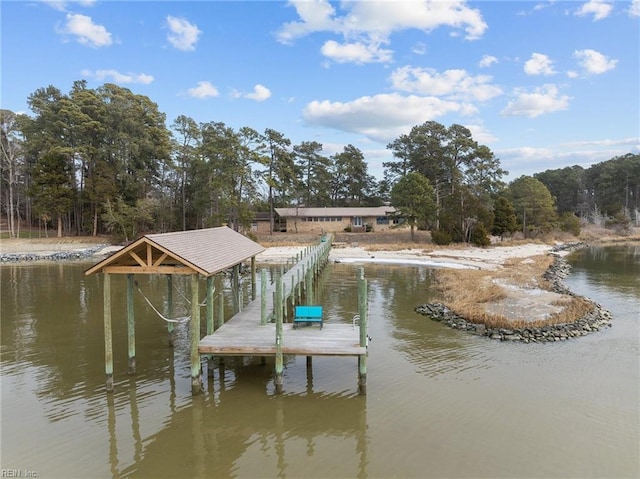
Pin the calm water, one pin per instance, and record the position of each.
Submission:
(440, 403)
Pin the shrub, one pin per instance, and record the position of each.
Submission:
(440, 237)
(620, 223)
(480, 235)
(570, 223)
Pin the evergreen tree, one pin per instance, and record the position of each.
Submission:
(413, 197)
(505, 221)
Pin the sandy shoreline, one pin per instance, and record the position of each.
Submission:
(518, 303)
(468, 257)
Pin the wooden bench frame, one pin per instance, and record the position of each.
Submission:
(307, 315)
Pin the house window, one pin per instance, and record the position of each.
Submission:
(357, 221)
(382, 220)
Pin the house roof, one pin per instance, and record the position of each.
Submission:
(352, 211)
(205, 252)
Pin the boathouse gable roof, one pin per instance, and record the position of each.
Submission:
(206, 252)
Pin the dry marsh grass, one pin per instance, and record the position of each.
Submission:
(469, 294)
(526, 273)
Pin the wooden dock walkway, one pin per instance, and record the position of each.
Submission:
(245, 335)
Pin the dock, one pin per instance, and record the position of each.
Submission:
(259, 329)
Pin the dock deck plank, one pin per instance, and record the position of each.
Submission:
(243, 335)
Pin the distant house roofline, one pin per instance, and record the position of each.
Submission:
(304, 212)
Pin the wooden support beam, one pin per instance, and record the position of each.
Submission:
(149, 270)
(137, 258)
(196, 381)
(159, 261)
(108, 338)
(131, 327)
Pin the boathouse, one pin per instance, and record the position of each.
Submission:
(255, 329)
(198, 253)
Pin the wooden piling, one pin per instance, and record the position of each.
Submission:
(196, 382)
(278, 313)
(108, 338)
(235, 288)
(170, 309)
(253, 278)
(309, 285)
(362, 311)
(219, 288)
(210, 324)
(131, 326)
(263, 297)
(282, 291)
(210, 291)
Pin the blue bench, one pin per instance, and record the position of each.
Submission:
(307, 315)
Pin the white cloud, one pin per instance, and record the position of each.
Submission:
(260, 93)
(598, 8)
(204, 90)
(487, 61)
(85, 31)
(634, 8)
(634, 142)
(315, 17)
(452, 84)
(365, 26)
(481, 135)
(539, 64)
(594, 62)
(117, 77)
(542, 100)
(358, 52)
(62, 5)
(381, 117)
(184, 35)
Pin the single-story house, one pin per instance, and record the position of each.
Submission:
(319, 220)
(261, 222)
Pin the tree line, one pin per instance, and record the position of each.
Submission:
(96, 161)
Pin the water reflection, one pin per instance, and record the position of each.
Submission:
(440, 403)
(221, 434)
(616, 267)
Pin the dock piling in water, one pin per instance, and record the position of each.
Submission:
(278, 313)
(196, 382)
(131, 326)
(362, 310)
(108, 338)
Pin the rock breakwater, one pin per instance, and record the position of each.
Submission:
(595, 320)
(57, 256)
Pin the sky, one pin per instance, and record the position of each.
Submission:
(544, 84)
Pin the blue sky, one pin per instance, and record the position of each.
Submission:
(544, 84)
